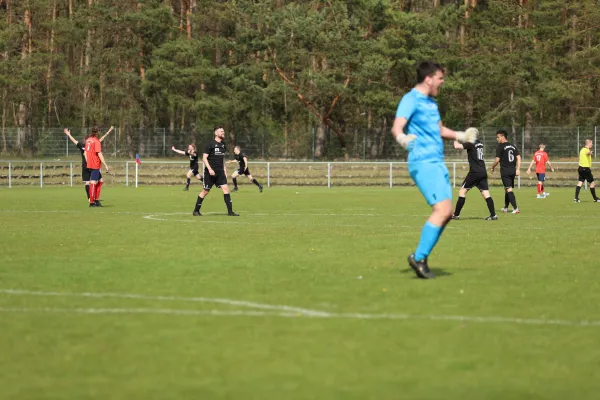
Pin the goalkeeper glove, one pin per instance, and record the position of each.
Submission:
(468, 136)
(406, 141)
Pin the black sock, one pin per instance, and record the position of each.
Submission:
(506, 200)
(187, 184)
(235, 182)
(255, 182)
(490, 204)
(577, 189)
(593, 192)
(513, 199)
(228, 203)
(459, 205)
(198, 204)
(87, 191)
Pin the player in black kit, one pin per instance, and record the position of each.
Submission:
(194, 167)
(215, 172)
(477, 176)
(85, 172)
(242, 160)
(510, 163)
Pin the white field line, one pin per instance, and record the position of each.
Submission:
(272, 310)
(230, 302)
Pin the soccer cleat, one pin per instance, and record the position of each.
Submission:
(597, 201)
(541, 196)
(196, 214)
(93, 205)
(546, 194)
(515, 211)
(457, 217)
(234, 189)
(232, 214)
(576, 201)
(504, 210)
(260, 188)
(185, 189)
(492, 218)
(98, 204)
(420, 267)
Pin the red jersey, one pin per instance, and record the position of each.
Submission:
(541, 158)
(92, 148)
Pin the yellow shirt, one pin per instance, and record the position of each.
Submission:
(585, 159)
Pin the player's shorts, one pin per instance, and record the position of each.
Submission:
(432, 179)
(508, 181)
(95, 175)
(585, 174)
(541, 176)
(474, 179)
(195, 171)
(85, 174)
(218, 180)
(242, 172)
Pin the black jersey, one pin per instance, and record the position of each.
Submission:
(507, 153)
(193, 160)
(240, 159)
(475, 156)
(81, 147)
(216, 154)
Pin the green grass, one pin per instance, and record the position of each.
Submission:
(341, 251)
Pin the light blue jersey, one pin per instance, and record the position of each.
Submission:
(423, 121)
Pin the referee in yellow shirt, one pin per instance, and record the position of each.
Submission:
(585, 171)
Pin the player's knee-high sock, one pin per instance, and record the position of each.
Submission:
(539, 188)
(577, 189)
(198, 203)
(255, 182)
(429, 237)
(227, 198)
(513, 199)
(459, 205)
(543, 189)
(593, 192)
(98, 188)
(92, 193)
(187, 183)
(87, 190)
(235, 183)
(506, 200)
(490, 203)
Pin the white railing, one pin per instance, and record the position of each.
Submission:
(315, 172)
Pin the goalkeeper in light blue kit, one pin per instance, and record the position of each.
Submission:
(418, 128)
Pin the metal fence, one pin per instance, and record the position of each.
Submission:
(361, 144)
(330, 174)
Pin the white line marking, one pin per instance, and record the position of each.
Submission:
(272, 310)
(167, 298)
(247, 313)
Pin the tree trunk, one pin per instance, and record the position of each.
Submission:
(49, 71)
(320, 139)
(141, 49)
(86, 68)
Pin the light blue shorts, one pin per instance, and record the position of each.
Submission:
(433, 180)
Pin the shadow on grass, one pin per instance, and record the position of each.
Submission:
(439, 273)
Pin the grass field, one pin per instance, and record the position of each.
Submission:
(306, 295)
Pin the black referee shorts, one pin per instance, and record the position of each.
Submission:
(585, 174)
(476, 180)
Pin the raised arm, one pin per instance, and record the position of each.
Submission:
(106, 134)
(68, 133)
(468, 136)
(177, 151)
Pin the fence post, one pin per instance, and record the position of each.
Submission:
(519, 182)
(71, 172)
(126, 173)
(268, 174)
(136, 175)
(328, 175)
(391, 181)
(9, 175)
(41, 174)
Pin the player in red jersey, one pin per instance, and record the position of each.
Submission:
(95, 159)
(540, 159)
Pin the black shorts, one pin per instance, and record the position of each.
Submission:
(218, 180)
(242, 172)
(85, 174)
(476, 179)
(508, 181)
(195, 171)
(585, 174)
